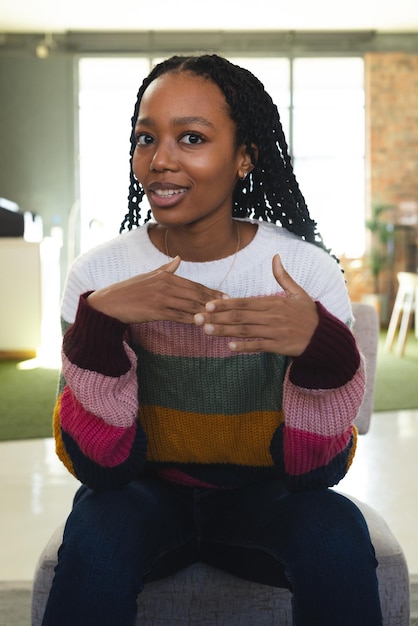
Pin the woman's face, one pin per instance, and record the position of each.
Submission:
(186, 158)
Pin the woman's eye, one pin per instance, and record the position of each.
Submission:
(142, 139)
(192, 138)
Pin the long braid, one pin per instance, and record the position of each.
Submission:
(271, 191)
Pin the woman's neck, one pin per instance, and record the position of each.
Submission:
(202, 245)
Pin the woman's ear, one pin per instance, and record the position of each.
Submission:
(247, 164)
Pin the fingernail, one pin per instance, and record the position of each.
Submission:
(210, 306)
(199, 319)
(209, 328)
(232, 345)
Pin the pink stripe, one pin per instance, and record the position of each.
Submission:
(304, 452)
(323, 412)
(171, 339)
(106, 445)
(114, 399)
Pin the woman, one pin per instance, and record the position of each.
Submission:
(210, 380)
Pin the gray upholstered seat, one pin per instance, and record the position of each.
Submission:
(203, 596)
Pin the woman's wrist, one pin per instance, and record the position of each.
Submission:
(331, 358)
(95, 341)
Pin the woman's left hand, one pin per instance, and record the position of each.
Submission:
(279, 324)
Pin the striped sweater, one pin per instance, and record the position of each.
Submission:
(166, 398)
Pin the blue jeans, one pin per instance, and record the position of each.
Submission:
(315, 543)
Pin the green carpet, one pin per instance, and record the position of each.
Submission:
(397, 378)
(27, 396)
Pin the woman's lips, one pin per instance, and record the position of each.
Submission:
(165, 195)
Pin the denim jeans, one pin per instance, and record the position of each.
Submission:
(315, 543)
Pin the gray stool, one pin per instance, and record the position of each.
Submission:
(204, 596)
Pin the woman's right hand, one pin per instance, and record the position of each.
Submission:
(159, 295)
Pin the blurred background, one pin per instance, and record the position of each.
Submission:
(345, 79)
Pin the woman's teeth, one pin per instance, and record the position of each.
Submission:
(166, 193)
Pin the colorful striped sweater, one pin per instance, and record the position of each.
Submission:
(166, 398)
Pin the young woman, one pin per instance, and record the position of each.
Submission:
(209, 379)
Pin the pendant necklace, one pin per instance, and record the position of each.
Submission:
(233, 259)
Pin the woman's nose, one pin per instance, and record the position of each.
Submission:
(163, 158)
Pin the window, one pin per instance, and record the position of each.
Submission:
(328, 147)
(107, 96)
(321, 105)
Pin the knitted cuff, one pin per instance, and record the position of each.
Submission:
(95, 341)
(331, 358)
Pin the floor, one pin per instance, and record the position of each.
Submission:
(37, 490)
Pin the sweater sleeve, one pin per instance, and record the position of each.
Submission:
(98, 435)
(323, 391)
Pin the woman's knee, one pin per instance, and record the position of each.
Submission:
(94, 536)
(328, 523)
(129, 527)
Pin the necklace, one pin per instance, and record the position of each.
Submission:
(233, 259)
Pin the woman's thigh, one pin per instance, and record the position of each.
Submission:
(283, 532)
(137, 524)
(112, 541)
(315, 543)
(117, 537)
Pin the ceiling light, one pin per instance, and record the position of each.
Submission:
(45, 47)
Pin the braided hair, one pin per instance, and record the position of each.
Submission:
(271, 191)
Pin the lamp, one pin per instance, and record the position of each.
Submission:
(45, 46)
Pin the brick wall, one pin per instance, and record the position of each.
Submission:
(391, 87)
(392, 127)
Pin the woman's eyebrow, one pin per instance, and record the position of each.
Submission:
(193, 119)
(177, 121)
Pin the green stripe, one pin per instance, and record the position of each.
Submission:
(239, 384)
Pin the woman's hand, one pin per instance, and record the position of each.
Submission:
(157, 295)
(282, 325)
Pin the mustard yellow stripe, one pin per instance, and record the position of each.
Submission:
(183, 437)
(353, 448)
(59, 444)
